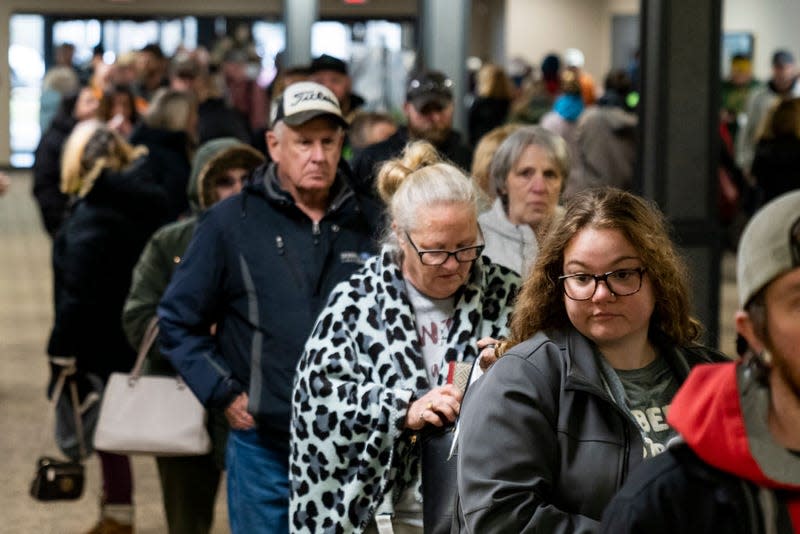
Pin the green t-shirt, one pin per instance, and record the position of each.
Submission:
(648, 393)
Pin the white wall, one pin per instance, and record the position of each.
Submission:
(535, 28)
(774, 23)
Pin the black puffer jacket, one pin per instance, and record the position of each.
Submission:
(543, 447)
(93, 258)
(47, 168)
(699, 498)
(170, 160)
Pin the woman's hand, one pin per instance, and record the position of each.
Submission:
(436, 407)
(488, 354)
(237, 415)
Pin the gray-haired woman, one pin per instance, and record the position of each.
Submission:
(528, 173)
(376, 367)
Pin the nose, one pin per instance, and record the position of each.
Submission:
(317, 151)
(451, 264)
(436, 117)
(538, 183)
(602, 292)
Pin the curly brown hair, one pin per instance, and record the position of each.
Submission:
(540, 304)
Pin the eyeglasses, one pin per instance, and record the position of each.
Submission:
(226, 181)
(794, 242)
(439, 257)
(620, 283)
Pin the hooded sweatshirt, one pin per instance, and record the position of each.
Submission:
(721, 413)
(165, 249)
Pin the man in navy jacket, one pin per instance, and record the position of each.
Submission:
(260, 267)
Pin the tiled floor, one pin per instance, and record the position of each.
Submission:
(25, 420)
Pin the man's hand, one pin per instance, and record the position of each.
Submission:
(238, 416)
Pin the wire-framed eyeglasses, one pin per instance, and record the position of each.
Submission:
(439, 257)
(621, 283)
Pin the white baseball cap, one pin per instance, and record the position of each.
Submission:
(303, 101)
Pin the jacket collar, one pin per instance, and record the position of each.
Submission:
(392, 297)
(267, 185)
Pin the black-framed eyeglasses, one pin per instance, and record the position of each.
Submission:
(794, 242)
(621, 283)
(439, 257)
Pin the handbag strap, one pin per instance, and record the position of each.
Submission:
(69, 368)
(150, 335)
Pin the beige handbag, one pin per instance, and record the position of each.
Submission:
(157, 415)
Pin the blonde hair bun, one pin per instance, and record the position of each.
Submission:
(393, 173)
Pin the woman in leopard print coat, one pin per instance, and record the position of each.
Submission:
(369, 378)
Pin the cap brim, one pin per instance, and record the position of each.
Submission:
(298, 119)
(422, 101)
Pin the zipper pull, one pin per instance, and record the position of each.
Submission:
(315, 228)
(280, 245)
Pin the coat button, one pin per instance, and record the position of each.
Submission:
(176, 259)
(335, 228)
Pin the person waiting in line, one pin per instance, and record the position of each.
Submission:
(261, 265)
(169, 131)
(376, 364)
(735, 92)
(735, 468)
(119, 206)
(776, 165)
(605, 139)
(118, 109)
(574, 62)
(368, 128)
(429, 117)
(52, 202)
(567, 109)
(538, 95)
(332, 73)
(189, 484)
(784, 83)
(151, 67)
(484, 153)
(492, 102)
(601, 339)
(528, 174)
(57, 83)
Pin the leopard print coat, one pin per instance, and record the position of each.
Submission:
(350, 454)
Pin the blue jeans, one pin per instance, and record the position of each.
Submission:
(258, 484)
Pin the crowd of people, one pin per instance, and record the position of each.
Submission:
(341, 290)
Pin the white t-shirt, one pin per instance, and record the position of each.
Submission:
(434, 318)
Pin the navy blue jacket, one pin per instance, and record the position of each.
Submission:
(261, 270)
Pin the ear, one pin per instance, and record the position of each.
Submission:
(273, 146)
(744, 326)
(407, 108)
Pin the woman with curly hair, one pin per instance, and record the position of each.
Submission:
(601, 339)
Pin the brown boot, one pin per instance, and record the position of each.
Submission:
(106, 525)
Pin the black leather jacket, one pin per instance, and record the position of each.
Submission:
(543, 447)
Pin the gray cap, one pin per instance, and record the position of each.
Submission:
(769, 246)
